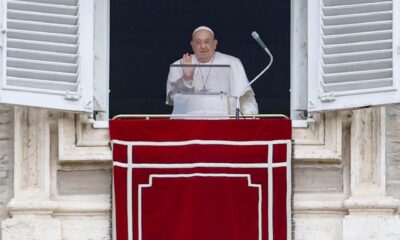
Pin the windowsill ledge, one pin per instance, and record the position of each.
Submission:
(100, 124)
(295, 124)
(300, 123)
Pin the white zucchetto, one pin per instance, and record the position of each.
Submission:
(203, 28)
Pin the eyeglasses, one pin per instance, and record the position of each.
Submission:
(198, 42)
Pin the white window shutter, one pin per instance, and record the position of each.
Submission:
(47, 54)
(352, 54)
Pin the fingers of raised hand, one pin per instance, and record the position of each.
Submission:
(186, 58)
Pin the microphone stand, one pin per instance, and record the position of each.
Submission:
(256, 37)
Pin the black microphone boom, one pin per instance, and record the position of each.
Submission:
(262, 44)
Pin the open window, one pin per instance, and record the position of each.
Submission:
(148, 36)
(352, 54)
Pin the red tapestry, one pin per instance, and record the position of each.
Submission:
(202, 179)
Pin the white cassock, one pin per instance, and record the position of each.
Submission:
(204, 78)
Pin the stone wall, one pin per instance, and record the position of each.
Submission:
(393, 150)
(61, 181)
(6, 158)
(62, 190)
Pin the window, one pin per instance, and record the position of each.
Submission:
(353, 54)
(47, 54)
(147, 36)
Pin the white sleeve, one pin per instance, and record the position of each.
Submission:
(248, 103)
(173, 78)
(175, 83)
(239, 78)
(188, 83)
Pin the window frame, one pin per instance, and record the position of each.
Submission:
(298, 76)
(101, 83)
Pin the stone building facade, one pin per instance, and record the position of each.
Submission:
(6, 158)
(56, 169)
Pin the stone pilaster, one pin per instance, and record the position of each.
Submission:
(31, 208)
(371, 211)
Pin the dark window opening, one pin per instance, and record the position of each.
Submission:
(147, 36)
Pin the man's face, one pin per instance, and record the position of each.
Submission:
(203, 45)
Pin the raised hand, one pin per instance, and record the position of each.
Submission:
(187, 71)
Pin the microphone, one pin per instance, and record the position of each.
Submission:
(255, 35)
(262, 44)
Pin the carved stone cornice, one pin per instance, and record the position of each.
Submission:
(79, 142)
(318, 204)
(321, 141)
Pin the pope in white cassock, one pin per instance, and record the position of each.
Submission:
(204, 44)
